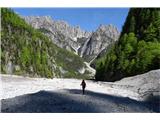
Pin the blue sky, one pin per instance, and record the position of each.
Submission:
(87, 18)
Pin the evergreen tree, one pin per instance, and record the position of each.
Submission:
(32, 51)
(138, 48)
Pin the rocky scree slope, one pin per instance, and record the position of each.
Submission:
(133, 94)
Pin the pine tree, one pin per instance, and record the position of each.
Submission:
(138, 48)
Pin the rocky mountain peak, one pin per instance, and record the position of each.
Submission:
(38, 21)
(56, 25)
(104, 36)
(103, 27)
(109, 30)
(59, 31)
(73, 38)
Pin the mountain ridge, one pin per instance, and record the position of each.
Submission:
(27, 51)
(72, 38)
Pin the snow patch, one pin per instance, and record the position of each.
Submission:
(74, 39)
(84, 47)
(82, 70)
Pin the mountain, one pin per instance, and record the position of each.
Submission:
(86, 44)
(104, 36)
(60, 32)
(27, 51)
(138, 48)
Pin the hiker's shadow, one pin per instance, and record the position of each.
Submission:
(75, 91)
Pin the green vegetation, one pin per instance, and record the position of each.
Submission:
(31, 52)
(138, 49)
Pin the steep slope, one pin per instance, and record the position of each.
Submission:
(27, 51)
(60, 32)
(104, 36)
(85, 44)
(138, 49)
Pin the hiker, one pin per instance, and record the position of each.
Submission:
(83, 84)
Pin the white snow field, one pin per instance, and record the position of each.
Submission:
(24, 94)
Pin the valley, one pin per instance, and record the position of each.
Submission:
(44, 60)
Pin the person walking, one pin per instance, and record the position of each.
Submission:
(83, 84)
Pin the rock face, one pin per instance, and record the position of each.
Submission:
(27, 51)
(104, 36)
(86, 44)
(60, 32)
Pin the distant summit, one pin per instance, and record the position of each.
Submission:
(86, 44)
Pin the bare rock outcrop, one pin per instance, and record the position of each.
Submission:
(86, 44)
(103, 37)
